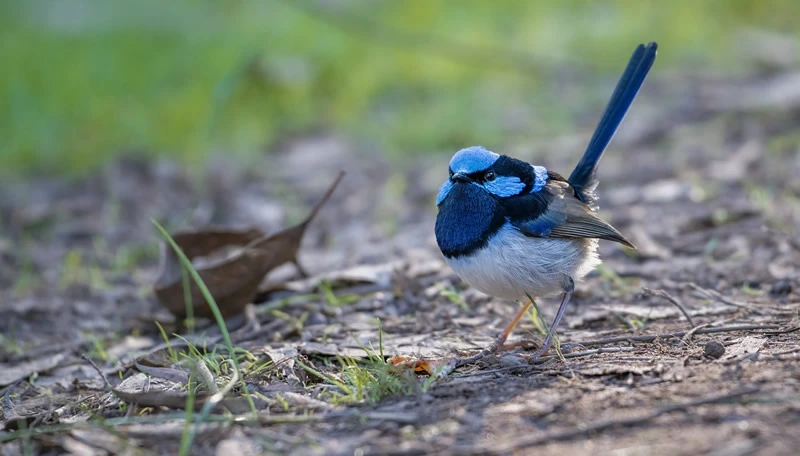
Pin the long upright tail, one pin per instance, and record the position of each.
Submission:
(583, 178)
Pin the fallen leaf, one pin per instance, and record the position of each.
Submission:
(153, 392)
(745, 346)
(232, 280)
(11, 373)
(167, 373)
(32, 408)
(432, 366)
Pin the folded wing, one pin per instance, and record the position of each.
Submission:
(566, 217)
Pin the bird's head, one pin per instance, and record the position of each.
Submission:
(499, 175)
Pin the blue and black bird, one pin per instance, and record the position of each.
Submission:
(518, 231)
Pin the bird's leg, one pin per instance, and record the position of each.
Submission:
(547, 340)
(501, 339)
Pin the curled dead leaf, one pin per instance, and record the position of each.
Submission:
(232, 280)
(440, 367)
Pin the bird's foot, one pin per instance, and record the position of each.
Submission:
(497, 346)
(538, 356)
(490, 350)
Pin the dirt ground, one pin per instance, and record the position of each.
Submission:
(701, 179)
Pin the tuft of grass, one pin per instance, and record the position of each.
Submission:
(369, 380)
(173, 355)
(364, 380)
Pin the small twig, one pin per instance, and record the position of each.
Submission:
(615, 340)
(663, 294)
(624, 422)
(692, 332)
(99, 372)
(323, 200)
(717, 296)
(783, 331)
(582, 353)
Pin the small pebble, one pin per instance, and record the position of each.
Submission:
(714, 349)
(781, 288)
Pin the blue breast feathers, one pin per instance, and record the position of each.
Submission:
(444, 190)
(467, 217)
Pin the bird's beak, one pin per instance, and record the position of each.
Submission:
(461, 177)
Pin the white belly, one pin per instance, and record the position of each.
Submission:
(513, 264)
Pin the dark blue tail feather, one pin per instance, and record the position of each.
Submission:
(583, 178)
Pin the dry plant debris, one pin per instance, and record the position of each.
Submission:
(234, 280)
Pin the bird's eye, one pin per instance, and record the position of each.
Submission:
(489, 176)
(451, 172)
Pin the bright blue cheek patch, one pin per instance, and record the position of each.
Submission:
(505, 186)
(443, 191)
(472, 159)
(539, 178)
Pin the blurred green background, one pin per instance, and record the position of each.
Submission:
(84, 80)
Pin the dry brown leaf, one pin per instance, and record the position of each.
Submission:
(11, 373)
(233, 281)
(431, 366)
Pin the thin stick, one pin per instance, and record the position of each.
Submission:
(717, 296)
(324, 199)
(692, 332)
(783, 331)
(582, 353)
(105, 380)
(663, 294)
